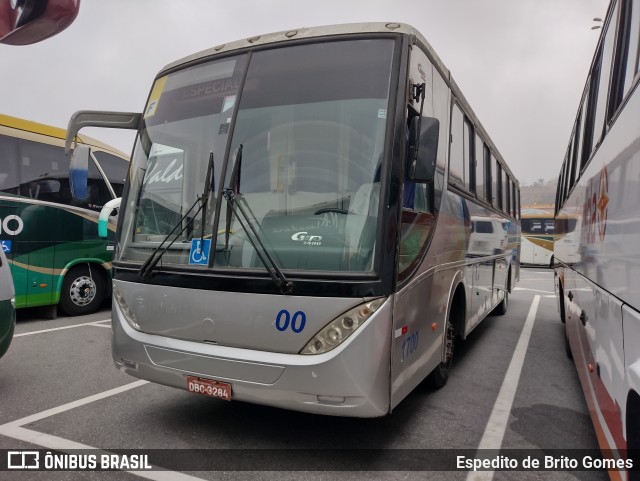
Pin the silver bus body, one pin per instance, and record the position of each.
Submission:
(366, 291)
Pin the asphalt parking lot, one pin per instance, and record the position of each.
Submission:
(512, 387)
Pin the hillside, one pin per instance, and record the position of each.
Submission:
(542, 192)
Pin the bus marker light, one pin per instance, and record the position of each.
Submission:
(401, 332)
(434, 326)
(43, 285)
(590, 366)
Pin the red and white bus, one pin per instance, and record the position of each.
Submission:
(598, 286)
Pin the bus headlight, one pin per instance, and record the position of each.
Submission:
(124, 308)
(334, 333)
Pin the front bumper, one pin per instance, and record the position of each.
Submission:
(351, 380)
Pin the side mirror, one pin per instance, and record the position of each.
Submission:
(79, 172)
(422, 150)
(103, 219)
(23, 22)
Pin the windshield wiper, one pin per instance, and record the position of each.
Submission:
(152, 261)
(231, 194)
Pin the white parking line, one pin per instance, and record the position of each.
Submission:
(73, 404)
(534, 290)
(497, 424)
(15, 430)
(94, 323)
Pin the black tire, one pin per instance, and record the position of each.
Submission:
(563, 317)
(440, 375)
(567, 345)
(501, 309)
(633, 436)
(82, 290)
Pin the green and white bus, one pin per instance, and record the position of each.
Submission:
(50, 238)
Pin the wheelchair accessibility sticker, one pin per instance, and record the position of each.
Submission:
(199, 254)
(5, 245)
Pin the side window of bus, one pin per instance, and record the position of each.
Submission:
(549, 225)
(506, 204)
(497, 193)
(532, 226)
(44, 175)
(44, 172)
(456, 159)
(9, 182)
(602, 117)
(115, 168)
(479, 171)
(488, 176)
(633, 48)
(99, 193)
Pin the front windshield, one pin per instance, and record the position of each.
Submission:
(188, 116)
(311, 120)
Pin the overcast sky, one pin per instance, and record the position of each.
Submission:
(521, 64)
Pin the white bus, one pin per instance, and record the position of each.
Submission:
(295, 225)
(537, 237)
(599, 291)
(543, 233)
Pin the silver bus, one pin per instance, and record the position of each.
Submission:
(296, 222)
(598, 282)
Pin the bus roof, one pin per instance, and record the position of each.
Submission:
(312, 32)
(55, 132)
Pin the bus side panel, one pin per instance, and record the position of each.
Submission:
(30, 254)
(527, 255)
(77, 244)
(13, 248)
(631, 325)
(417, 346)
(41, 225)
(594, 327)
(48, 241)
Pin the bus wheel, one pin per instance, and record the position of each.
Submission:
(440, 375)
(563, 317)
(82, 290)
(567, 344)
(501, 309)
(633, 434)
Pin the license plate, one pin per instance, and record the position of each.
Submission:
(216, 389)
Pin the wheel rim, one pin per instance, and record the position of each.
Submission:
(448, 347)
(82, 291)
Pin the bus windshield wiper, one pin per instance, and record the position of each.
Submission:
(231, 194)
(152, 261)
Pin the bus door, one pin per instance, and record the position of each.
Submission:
(34, 255)
(416, 345)
(43, 176)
